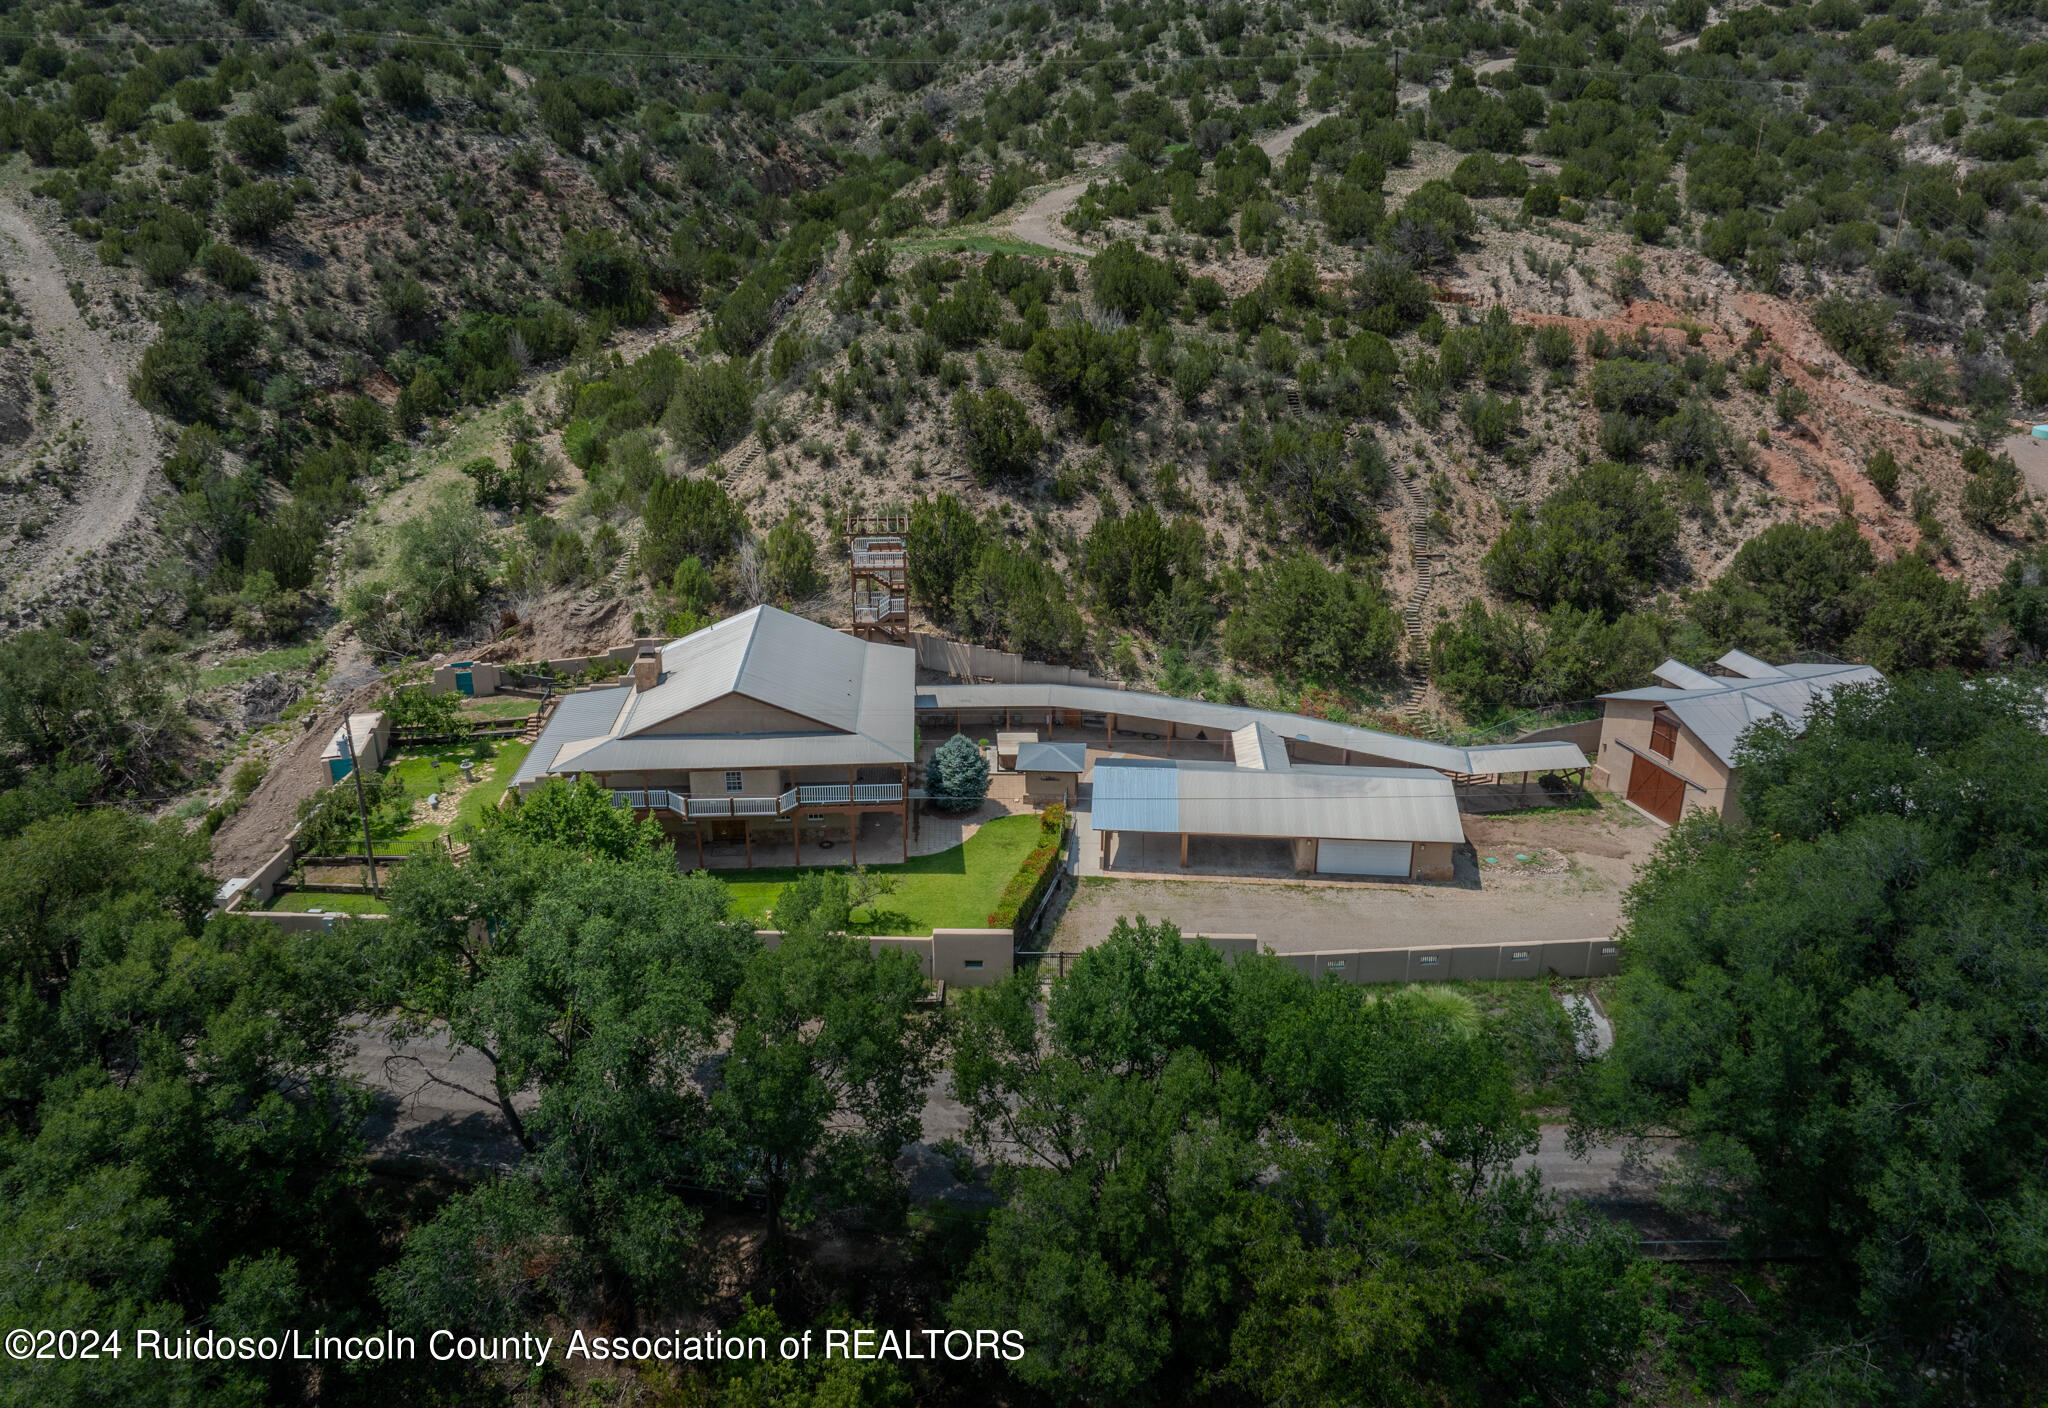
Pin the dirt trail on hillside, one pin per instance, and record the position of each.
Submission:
(91, 381)
(1040, 220)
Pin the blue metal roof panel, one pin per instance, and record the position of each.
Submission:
(1136, 794)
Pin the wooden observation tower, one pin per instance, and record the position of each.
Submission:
(879, 562)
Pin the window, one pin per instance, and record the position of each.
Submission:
(1609, 951)
(973, 963)
(1520, 955)
(1664, 735)
(734, 781)
(1428, 960)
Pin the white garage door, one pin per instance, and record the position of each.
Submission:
(1362, 857)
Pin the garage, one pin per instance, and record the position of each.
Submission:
(1658, 791)
(1363, 857)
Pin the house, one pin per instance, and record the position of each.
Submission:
(1670, 747)
(751, 740)
(766, 738)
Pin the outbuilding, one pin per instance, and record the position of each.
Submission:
(1052, 771)
(1390, 823)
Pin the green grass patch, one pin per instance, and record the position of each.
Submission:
(306, 901)
(980, 244)
(500, 706)
(285, 657)
(416, 769)
(954, 889)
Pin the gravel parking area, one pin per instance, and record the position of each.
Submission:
(1540, 877)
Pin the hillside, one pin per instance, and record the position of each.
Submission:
(1212, 344)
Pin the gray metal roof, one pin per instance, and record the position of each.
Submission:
(1257, 746)
(1724, 709)
(860, 689)
(1680, 676)
(782, 660)
(1228, 718)
(1740, 662)
(586, 713)
(1052, 757)
(1220, 799)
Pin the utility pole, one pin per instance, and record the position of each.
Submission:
(348, 750)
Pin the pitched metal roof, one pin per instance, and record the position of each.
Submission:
(861, 690)
(1738, 662)
(1228, 718)
(1052, 757)
(1257, 746)
(766, 655)
(1719, 712)
(1221, 799)
(584, 714)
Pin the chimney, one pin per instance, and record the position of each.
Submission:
(646, 670)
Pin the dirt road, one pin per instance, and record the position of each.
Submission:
(1039, 221)
(90, 374)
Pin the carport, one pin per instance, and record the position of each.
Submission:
(1393, 823)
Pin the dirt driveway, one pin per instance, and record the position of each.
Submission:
(1552, 876)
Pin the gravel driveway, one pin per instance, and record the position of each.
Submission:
(1570, 886)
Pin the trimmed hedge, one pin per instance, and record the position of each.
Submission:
(1027, 887)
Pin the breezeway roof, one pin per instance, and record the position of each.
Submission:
(1221, 799)
(1229, 718)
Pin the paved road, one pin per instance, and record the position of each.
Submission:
(436, 1109)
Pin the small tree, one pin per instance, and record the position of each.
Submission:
(411, 705)
(956, 779)
(1792, 402)
(996, 433)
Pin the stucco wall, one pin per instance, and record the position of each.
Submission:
(1625, 726)
(1577, 958)
(963, 958)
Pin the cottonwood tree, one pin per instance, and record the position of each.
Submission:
(600, 985)
(182, 1149)
(1203, 1166)
(831, 1054)
(1833, 1005)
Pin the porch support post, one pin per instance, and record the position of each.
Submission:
(796, 835)
(1183, 850)
(747, 835)
(1109, 730)
(698, 827)
(853, 835)
(1105, 850)
(1169, 737)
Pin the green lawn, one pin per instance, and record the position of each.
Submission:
(305, 901)
(954, 889)
(415, 767)
(500, 706)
